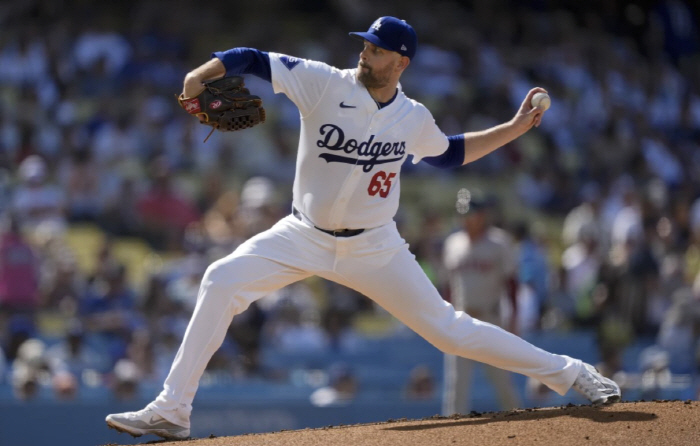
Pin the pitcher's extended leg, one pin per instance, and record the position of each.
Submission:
(401, 287)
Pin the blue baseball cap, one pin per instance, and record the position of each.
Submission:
(391, 34)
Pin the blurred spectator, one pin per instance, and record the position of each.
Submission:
(115, 143)
(120, 214)
(627, 222)
(672, 278)
(246, 332)
(141, 352)
(30, 370)
(654, 363)
(629, 277)
(23, 58)
(219, 223)
(62, 286)
(37, 202)
(341, 390)
(125, 380)
(427, 247)
(163, 212)
(158, 308)
(341, 334)
(421, 384)
(297, 330)
(80, 179)
(533, 275)
(19, 271)
(681, 34)
(259, 206)
(536, 188)
(679, 333)
(99, 45)
(18, 329)
(561, 305)
(298, 295)
(108, 308)
(585, 219)
(184, 288)
(74, 356)
(581, 263)
(65, 385)
(165, 349)
(3, 365)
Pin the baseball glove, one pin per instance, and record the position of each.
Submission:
(225, 104)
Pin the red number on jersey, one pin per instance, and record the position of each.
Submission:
(380, 184)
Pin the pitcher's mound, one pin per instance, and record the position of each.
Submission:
(666, 423)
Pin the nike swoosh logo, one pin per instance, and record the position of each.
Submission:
(154, 423)
(342, 105)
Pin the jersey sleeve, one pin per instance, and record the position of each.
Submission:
(303, 81)
(431, 141)
(245, 61)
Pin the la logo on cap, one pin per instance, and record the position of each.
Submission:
(391, 34)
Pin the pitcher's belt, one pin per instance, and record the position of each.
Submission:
(336, 233)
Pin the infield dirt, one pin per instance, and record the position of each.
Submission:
(667, 423)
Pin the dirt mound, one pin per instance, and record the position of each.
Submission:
(669, 423)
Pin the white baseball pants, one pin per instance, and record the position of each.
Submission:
(376, 263)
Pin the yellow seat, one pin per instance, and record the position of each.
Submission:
(85, 241)
(138, 258)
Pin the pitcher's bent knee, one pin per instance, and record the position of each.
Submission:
(229, 270)
(224, 279)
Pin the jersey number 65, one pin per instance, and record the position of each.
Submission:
(380, 184)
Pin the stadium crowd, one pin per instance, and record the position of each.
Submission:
(90, 135)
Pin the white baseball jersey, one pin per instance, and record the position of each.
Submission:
(479, 270)
(350, 151)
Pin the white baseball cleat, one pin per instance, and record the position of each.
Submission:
(594, 386)
(144, 422)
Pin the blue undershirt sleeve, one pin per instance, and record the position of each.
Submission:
(245, 61)
(452, 157)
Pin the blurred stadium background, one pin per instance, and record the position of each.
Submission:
(112, 206)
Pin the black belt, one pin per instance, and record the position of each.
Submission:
(337, 233)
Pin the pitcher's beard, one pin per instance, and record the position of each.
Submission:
(369, 79)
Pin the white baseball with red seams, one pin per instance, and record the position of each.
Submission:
(347, 176)
(541, 100)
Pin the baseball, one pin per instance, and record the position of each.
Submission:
(542, 100)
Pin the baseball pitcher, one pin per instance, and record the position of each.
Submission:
(357, 129)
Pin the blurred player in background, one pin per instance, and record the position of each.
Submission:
(480, 260)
